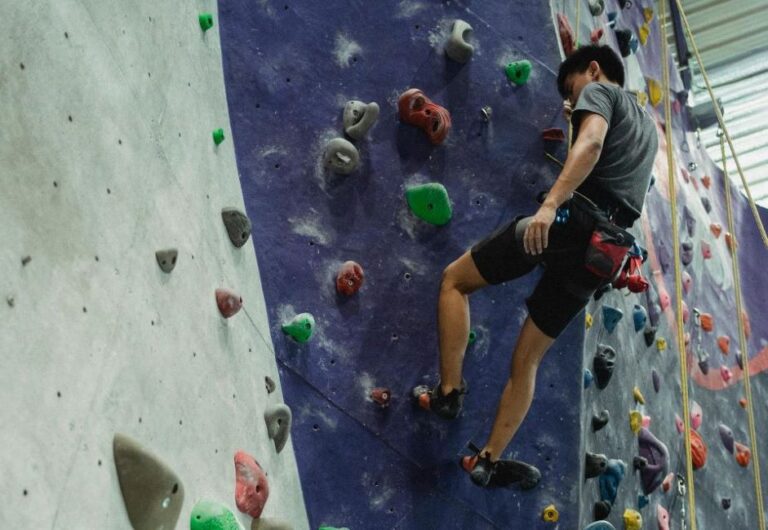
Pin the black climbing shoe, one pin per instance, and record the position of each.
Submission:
(446, 406)
(501, 473)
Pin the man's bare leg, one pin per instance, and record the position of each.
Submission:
(460, 279)
(516, 398)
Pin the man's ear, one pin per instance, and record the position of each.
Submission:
(594, 69)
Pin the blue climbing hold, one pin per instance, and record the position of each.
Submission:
(588, 377)
(611, 19)
(610, 479)
(611, 317)
(600, 525)
(639, 317)
(642, 501)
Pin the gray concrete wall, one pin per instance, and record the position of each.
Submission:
(107, 157)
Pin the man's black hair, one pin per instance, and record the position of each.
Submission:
(578, 62)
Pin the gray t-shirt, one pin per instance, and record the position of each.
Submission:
(623, 170)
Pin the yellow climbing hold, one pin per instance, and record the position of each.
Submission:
(588, 320)
(648, 14)
(632, 519)
(661, 344)
(642, 98)
(550, 514)
(638, 396)
(635, 421)
(654, 91)
(643, 32)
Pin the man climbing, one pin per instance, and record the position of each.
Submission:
(573, 235)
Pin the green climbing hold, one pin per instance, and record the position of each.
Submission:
(206, 21)
(300, 327)
(324, 527)
(472, 337)
(218, 136)
(430, 202)
(209, 515)
(519, 71)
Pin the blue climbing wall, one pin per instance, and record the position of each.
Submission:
(290, 67)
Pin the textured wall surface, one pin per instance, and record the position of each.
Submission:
(107, 157)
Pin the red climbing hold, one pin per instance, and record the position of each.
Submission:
(724, 343)
(417, 109)
(743, 403)
(350, 278)
(252, 488)
(707, 181)
(716, 228)
(553, 135)
(743, 454)
(706, 250)
(666, 484)
(381, 396)
(707, 324)
(596, 35)
(566, 34)
(725, 373)
(698, 450)
(228, 301)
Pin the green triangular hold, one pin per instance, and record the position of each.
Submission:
(209, 515)
(430, 202)
(300, 327)
(218, 136)
(519, 71)
(206, 21)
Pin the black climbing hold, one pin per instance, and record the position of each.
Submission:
(707, 205)
(238, 225)
(690, 221)
(603, 364)
(600, 420)
(624, 36)
(686, 252)
(739, 359)
(601, 291)
(650, 336)
(594, 465)
(278, 419)
(725, 503)
(624, 4)
(167, 259)
(602, 510)
(639, 462)
(704, 366)
(270, 384)
(656, 378)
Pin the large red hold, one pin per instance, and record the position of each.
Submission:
(229, 302)
(417, 109)
(350, 278)
(252, 487)
(743, 454)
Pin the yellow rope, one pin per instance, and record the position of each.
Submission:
(722, 124)
(743, 343)
(678, 278)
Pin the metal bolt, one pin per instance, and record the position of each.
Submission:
(486, 113)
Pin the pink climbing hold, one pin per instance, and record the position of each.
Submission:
(716, 229)
(382, 396)
(706, 250)
(726, 373)
(596, 35)
(350, 278)
(646, 421)
(687, 339)
(743, 454)
(679, 424)
(707, 181)
(666, 484)
(252, 488)
(686, 313)
(664, 299)
(229, 302)
(685, 174)
(662, 516)
(687, 282)
(724, 343)
(566, 34)
(553, 135)
(696, 415)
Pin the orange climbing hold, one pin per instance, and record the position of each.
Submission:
(707, 323)
(730, 241)
(724, 343)
(698, 450)
(716, 229)
(745, 323)
(382, 396)
(666, 484)
(566, 34)
(707, 181)
(743, 454)
(743, 403)
(417, 109)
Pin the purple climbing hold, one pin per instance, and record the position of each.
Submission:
(657, 456)
(653, 309)
(639, 317)
(603, 364)
(611, 317)
(663, 253)
(726, 436)
(656, 378)
(690, 221)
(686, 252)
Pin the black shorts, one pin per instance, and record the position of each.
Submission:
(566, 285)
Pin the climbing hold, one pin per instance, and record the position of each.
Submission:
(632, 519)
(300, 327)
(664, 298)
(472, 337)
(588, 377)
(269, 383)
(656, 455)
(206, 21)
(685, 174)
(595, 465)
(656, 380)
(745, 324)
(698, 450)
(349, 278)
(566, 34)
(603, 364)
(648, 14)
(278, 419)
(743, 454)
(382, 396)
(252, 488)
(600, 420)
(218, 136)
(417, 109)
(602, 509)
(707, 205)
(662, 517)
(686, 252)
(635, 421)
(229, 302)
(341, 156)
(638, 396)
(696, 415)
(666, 484)
(679, 424)
(686, 313)
(726, 436)
(661, 344)
(716, 229)
(627, 42)
(596, 35)
(152, 493)
(729, 241)
(237, 224)
(725, 503)
(430, 202)
(706, 180)
(457, 47)
(610, 479)
(706, 250)
(692, 166)
(553, 135)
(649, 335)
(625, 4)
(485, 113)
(639, 317)
(690, 220)
(687, 282)
(743, 403)
(642, 501)
(518, 72)
(359, 117)
(550, 514)
(264, 523)
(639, 463)
(704, 365)
(654, 90)
(706, 321)
(642, 100)
(596, 7)
(588, 320)
(209, 515)
(724, 343)
(166, 259)
(611, 317)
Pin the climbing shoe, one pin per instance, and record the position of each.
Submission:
(446, 406)
(501, 473)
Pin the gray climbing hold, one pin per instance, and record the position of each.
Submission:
(707, 205)
(359, 117)
(690, 221)
(596, 7)
(457, 47)
(238, 226)
(341, 156)
(600, 420)
(270, 384)
(639, 463)
(167, 259)
(726, 436)
(603, 364)
(686, 252)
(263, 523)
(602, 509)
(278, 419)
(656, 378)
(595, 465)
(152, 493)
